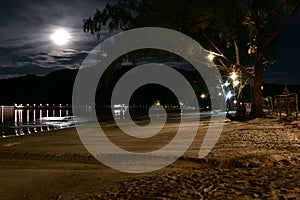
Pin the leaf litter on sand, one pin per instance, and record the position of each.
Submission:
(254, 160)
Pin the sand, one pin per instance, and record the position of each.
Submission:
(258, 159)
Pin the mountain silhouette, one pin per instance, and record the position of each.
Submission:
(57, 86)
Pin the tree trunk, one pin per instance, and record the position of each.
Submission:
(256, 104)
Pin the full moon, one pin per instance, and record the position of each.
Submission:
(60, 37)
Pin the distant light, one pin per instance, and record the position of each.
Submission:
(157, 103)
(235, 101)
(117, 112)
(210, 57)
(117, 106)
(220, 93)
(202, 96)
(233, 76)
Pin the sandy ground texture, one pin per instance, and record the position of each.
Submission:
(258, 159)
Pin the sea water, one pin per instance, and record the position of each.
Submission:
(27, 120)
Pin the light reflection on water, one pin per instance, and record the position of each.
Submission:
(16, 121)
(20, 121)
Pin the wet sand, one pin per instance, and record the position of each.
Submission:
(254, 160)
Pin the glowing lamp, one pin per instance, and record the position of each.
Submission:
(210, 57)
(233, 76)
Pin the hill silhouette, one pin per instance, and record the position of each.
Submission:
(57, 86)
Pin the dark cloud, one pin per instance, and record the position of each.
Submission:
(25, 45)
(24, 70)
(41, 63)
(26, 26)
(30, 21)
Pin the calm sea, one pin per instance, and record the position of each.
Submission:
(18, 120)
(21, 121)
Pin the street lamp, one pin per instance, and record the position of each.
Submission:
(211, 57)
(233, 76)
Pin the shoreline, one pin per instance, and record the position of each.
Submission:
(252, 160)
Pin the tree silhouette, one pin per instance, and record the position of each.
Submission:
(243, 33)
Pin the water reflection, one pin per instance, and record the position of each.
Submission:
(21, 120)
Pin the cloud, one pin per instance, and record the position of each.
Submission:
(42, 63)
(25, 45)
(27, 25)
(24, 70)
(33, 21)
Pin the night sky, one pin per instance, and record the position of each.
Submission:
(25, 44)
(26, 47)
(287, 68)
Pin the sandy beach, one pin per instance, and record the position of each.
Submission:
(258, 159)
